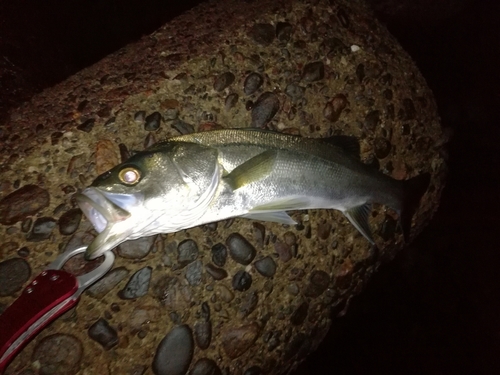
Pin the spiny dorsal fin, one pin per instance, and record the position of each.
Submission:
(347, 143)
(252, 170)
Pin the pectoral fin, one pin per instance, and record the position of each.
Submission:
(358, 216)
(274, 216)
(252, 170)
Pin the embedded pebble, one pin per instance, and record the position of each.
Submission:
(87, 125)
(259, 233)
(205, 366)
(313, 71)
(264, 109)
(248, 304)
(262, 33)
(152, 122)
(136, 249)
(182, 127)
(389, 228)
(237, 340)
(171, 114)
(193, 272)
(242, 281)
(283, 250)
(254, 370)
(69, 221)
(284, 31)
(372, 119)
(175, 352)
(203, 334)
(42, 229)
(318, 283)
(266, 266)
(300, 314)
(58, 354)
(138, 284)
(294, 91)
(24, 202)
(382, 147)
(143, 315)
(149, 140)
(290, 238)
(106, 156)
(104, 334)
(324, 230)
(124, 152)
(187, 252)
(224, 293)
(23, 252)
(140, 117)
(333, 109)
(223, 81)
(26, 225)
(108, 282)
(240, 249)
(230, 101)
(219, 254)
(14, 273)
(252, 83)
(216, 272)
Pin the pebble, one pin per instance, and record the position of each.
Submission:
(266, 266)
(175, 352)
(205, 366)
(324, 230)
(284, 31)
(152, 122)
(283, 250)
(264, 109)
(58, 354)
(187, 252)
(290, 238)
(142, 316)
(219, 254)
(140, 117)
(231, 101)
(313, 71)
(87, 125)
(372, 119)
(223, 81)
(104, 334)
(26, 225)
(106, 156)
(259, 233)
(108, 282)
(248, 304)
(333, 108)
(262, 33)
(216, 272)
(14, 273)
(295, 92)
(382, 147)
(203, 334)
(242, 281)
(254, 370)
(252, 83)
(389, 228)
(138, 284)
(300, 314)
(182, 127)
(237, 340)
(171, 114)
(24, 202)
(193, 273)
(240, 249)
(224, 293)
(69, 221)
(136, 249)
(318, 283)
(23, 252)
(42, 229)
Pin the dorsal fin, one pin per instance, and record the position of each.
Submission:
(347, 143)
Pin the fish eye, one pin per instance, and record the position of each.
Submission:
(129, 175)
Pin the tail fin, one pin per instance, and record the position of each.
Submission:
(413, 189)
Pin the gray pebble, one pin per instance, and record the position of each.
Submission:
(266, 266)
(23, 252)
(313, 71)
(152, 122)
(171, 114)
(372, 119)
(240, 249)
(333, 109)
(193, 273)
(264, 109)
(69, 221)
(87, 125)
(262, 33)
(58, 354)
(182, 127)
(26, 225)
(231, 101)
(108, 282)
(283, 250)
(248, 304)
(138, 284)
(284, 31)
(24, 202)
(203, 334)
(252, 83)
(318, 283)
(175, 352)
(224, 80)
(136, 249)
(14, 273)
(104, 334)
(42, 229)
(187, 252)
(259, 233)
(242, 281)
(294, 91)
(219, 254)
(216, 272)
(140, 117)
(205, 366)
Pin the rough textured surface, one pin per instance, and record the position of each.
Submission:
(326, 68)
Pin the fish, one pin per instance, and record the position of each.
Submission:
(199, 178)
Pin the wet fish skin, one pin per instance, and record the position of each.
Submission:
(199, 178)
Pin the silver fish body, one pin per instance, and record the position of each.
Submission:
(200, 178)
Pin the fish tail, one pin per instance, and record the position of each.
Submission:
(413, 190)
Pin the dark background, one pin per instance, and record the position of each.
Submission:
(436, 308)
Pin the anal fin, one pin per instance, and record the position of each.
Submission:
(358, 216)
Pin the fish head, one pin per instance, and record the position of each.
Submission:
(160, 190)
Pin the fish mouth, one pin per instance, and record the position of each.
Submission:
(104, 210)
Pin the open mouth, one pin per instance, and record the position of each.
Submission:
(103, 208)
